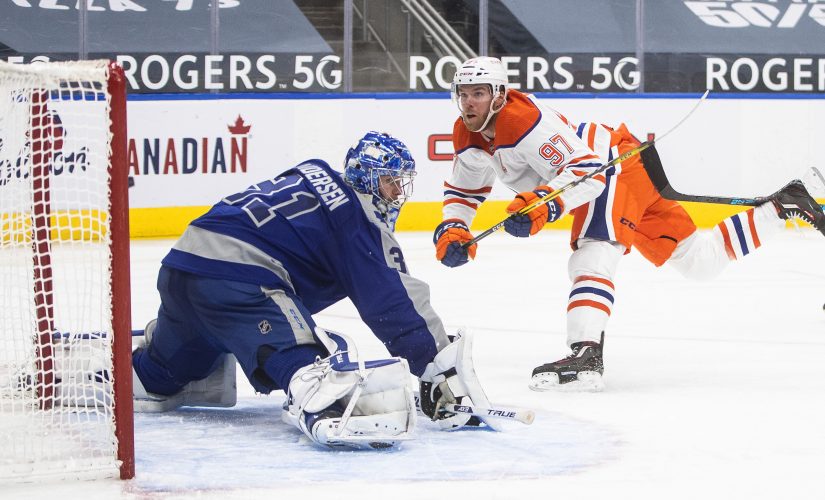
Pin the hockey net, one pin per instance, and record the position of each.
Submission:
(65, 372)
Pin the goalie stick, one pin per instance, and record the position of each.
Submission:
(555, 194)
(519, 415)
(522, 415)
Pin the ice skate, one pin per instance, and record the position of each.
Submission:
(794, 202)
(581, 371)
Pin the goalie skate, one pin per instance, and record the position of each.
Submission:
(581, 371)
(328, 428)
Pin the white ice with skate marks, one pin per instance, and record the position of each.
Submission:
(249, 447)
(712, 390)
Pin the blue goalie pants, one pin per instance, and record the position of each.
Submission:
(269, 331)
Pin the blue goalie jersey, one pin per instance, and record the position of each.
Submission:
(309, 232)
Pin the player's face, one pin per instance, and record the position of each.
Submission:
(474, 103)
(390, 188)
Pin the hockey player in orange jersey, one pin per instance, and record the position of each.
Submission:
(534, 150)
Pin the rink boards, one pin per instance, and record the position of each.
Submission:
(187, 152)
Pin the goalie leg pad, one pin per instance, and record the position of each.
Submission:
(218, 389)
(81, 377)
(451, 378)
(337, 402)
(147, 402)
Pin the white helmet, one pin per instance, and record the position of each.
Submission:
(479, 71)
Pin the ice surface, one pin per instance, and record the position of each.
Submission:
(714, 390)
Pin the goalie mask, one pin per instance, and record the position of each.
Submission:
(480, 71)
(382, 166)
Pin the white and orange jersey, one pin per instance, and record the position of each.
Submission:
(534, 145)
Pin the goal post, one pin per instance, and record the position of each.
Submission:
(121, 285)
(65, 316)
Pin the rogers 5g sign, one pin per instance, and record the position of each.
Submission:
(231, 73)
(572, 73)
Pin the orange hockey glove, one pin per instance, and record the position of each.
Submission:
(531, 223)
(448, 238)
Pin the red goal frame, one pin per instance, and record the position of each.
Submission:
(42, 156)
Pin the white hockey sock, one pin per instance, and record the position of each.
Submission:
(591, 268)
(746, 231)
(589, 308)
(703, 255)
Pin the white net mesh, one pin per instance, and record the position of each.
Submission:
(56, 408)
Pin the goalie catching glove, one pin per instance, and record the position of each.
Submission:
(449, 239)
(451, 378)
(524, 225)
(341, 402)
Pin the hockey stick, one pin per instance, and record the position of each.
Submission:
(519, 415)
(555, 194)
(819, 176)
(656, 172)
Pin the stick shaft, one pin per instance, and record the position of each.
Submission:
(555, 194)
(656, 172)
(517, 414)
(818, 174)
